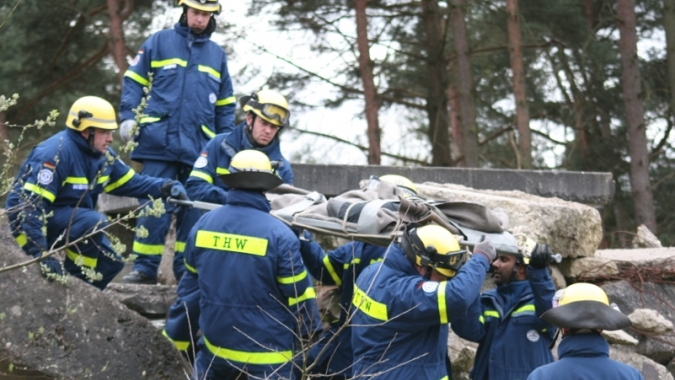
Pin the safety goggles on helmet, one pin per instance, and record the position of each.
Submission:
(202, 5)
(445, 255)
(271, 112)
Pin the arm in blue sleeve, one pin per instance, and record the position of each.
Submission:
(463, 289)
(226, 103)
(135, 78)
(543, 290)
(201, 184)
(472, 325)
(125, 181)
(327, 268)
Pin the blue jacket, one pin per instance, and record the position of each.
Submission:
(512, 339)
(340, 267)
(245, 282)
(215, 160)
(65, 171)
(400, 321)
(585, 357)
(191, 98)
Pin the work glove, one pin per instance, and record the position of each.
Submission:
(126, 129)
(51, 266)
(485, 248)
(174, 189)
(540, 257)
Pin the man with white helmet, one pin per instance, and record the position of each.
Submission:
(582, 313)
(266, 115)
(512, 339)
(190, 101)
(402, 306)
(245, 283)
(58, 185)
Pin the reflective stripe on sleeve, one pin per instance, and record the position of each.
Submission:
(189, 267)
(331, 270)
(292, 279)
(524, 310)
(442, 309)
(120, 182)
(208, 70)
(202, 175)
(44, 193)
(137, 78)
(208, 132)
(76, 181)
(309, 293)
(226, 101)
(179, 246)
(22, 239)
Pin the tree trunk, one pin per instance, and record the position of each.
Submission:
(637, 138)
(117, 46)
(466, 91)
(669, 26)
(455, 122)
(437, 102)
(369, 91)
(519, 92)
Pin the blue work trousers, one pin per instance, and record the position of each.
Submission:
(149, 249)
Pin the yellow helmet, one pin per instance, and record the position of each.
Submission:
(402, 182)
(251, 170)
(202, 5)
(584, 306)
(91, 112)
(433, 246)
(269, 105)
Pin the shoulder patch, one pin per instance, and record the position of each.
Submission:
(430, 286)
(201, 162)
(212, 98)
(532, 336)
(45, 176)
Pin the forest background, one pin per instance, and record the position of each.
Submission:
(579, 85)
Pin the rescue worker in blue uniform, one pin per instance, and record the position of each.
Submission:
(58, 185)
(341, 267)
(583, 311)
(266, 115)
(512, 339)
(246, 275)
(402, 306)
(190, 101)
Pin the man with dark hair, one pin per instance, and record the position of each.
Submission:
(512, 339)
(189, 102)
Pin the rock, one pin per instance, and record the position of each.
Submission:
(660, 262)
(589, 268)
(151, 301)
(645, 238)
(659, 296)
(650, 321)
(557, 277)
(74, 331)
(462, 354)
(649, 369)
(620, 337)
(572, 229)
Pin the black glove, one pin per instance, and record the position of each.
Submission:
(51, 265)
(174, 189)
(540, 257)
(486, 248)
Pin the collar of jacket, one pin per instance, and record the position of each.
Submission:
(246, 198)
(82, 143)
(239, 139)
(592, 344)
(507, 297)
(184, 31)
(398, 261)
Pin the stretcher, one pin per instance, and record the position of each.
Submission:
(379, 221)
